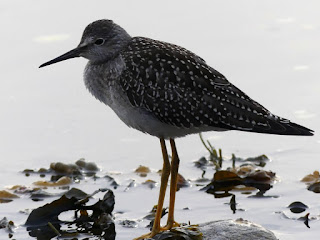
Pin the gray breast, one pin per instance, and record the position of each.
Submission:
(102, 80)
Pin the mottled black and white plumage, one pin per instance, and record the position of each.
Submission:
(165, 90)
(180, 89)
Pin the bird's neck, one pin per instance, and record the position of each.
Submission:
(100, 78)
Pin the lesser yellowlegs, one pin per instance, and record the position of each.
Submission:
(168, 92)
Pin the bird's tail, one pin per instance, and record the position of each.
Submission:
(281, 126)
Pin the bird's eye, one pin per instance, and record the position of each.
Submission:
(99, 41)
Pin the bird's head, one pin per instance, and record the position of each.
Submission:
(101, 41)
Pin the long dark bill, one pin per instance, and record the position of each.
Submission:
(71, 54)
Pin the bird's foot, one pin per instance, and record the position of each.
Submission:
(170, 225)
(148, 235)
(156, 231)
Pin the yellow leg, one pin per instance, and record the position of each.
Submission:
(164, 182)
(173, 186)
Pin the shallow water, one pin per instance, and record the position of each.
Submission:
(270, 50)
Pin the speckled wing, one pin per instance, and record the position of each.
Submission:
(180, 89)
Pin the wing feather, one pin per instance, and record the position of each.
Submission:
(180, 89)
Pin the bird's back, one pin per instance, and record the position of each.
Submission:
(179, 89)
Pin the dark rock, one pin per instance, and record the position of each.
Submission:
(234, 229)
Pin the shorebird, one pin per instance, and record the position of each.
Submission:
(168, 92)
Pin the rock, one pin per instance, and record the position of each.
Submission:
(218, 230)
(142, 171)
(297, 207)
(234, 229)
(315, 187)
(60, 182)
